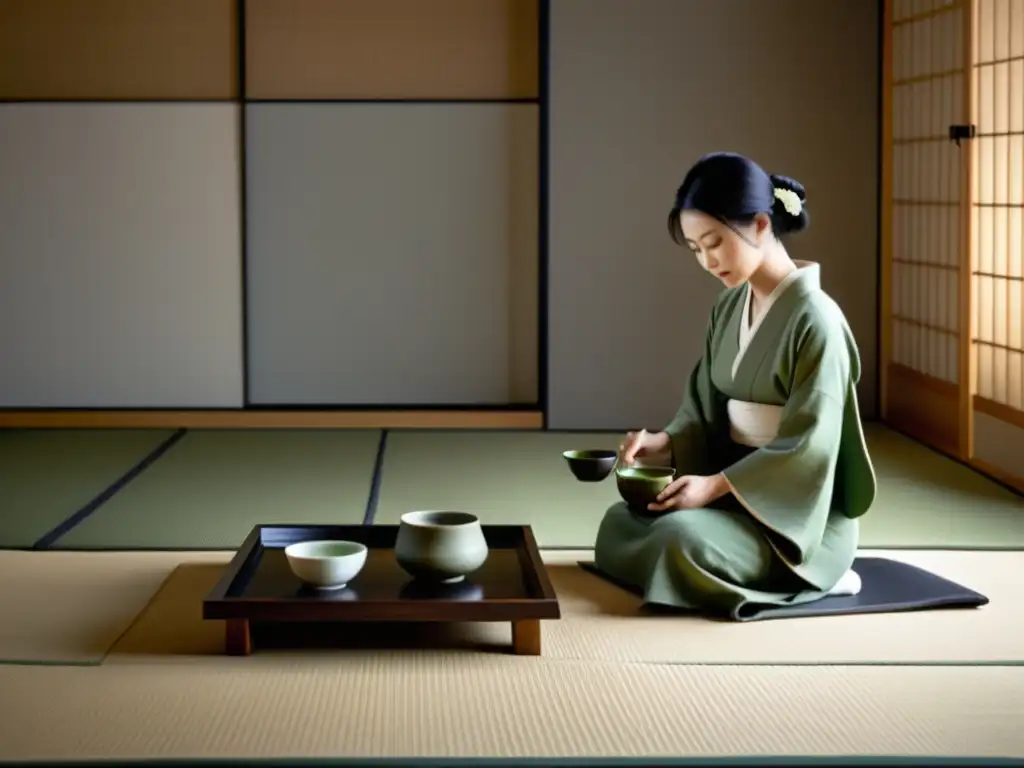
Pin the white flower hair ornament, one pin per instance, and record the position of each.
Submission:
(790, 201)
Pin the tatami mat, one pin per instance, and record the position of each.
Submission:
(212, 488)
(70, 607)
(515, 478)
(601, 623)
(46, 476)
(489, 706)
(166, 690)
(925, 500)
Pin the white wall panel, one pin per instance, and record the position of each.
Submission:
(119, 256)
(392, 253)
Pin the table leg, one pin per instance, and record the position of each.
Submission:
(526, 637)
(237, 637)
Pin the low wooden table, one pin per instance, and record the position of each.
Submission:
(258, 586)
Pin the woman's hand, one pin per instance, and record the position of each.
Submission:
(644, 445)
(690, 492)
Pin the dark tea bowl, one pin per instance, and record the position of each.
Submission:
(590, 466)
(640, 486)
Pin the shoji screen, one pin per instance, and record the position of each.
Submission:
(120, 254)
(954, 246)
(998, 220)
(925, 269)
(392, 201)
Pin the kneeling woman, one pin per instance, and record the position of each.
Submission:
(772, 472)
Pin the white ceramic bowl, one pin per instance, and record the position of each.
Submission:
(326, 564)
(440, 546)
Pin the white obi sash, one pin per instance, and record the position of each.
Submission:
(753, 424)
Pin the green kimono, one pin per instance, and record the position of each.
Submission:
(788, 531)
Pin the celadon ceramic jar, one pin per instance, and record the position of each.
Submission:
(440, 546)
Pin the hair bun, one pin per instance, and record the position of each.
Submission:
(783, 220)
(736, 190)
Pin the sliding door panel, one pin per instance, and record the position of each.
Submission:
(925, 242)
(392, 254)
(121, 256)
(998, 220)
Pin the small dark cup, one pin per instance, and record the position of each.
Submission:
(590, 466)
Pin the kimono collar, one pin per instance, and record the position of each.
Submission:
(806, 279)
(803, 280)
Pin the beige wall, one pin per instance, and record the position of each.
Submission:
(118, 49)
(373, 49)
(639, 90)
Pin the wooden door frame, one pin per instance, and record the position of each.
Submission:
(962, 446)
(886, 211)
(255, 418)
(967, 359)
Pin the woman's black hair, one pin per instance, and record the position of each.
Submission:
(734, 189)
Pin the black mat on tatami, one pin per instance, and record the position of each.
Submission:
(887, 586)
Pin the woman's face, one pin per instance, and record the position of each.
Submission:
(720, 250)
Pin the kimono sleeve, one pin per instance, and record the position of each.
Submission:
(787, 485)
(693, 427)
